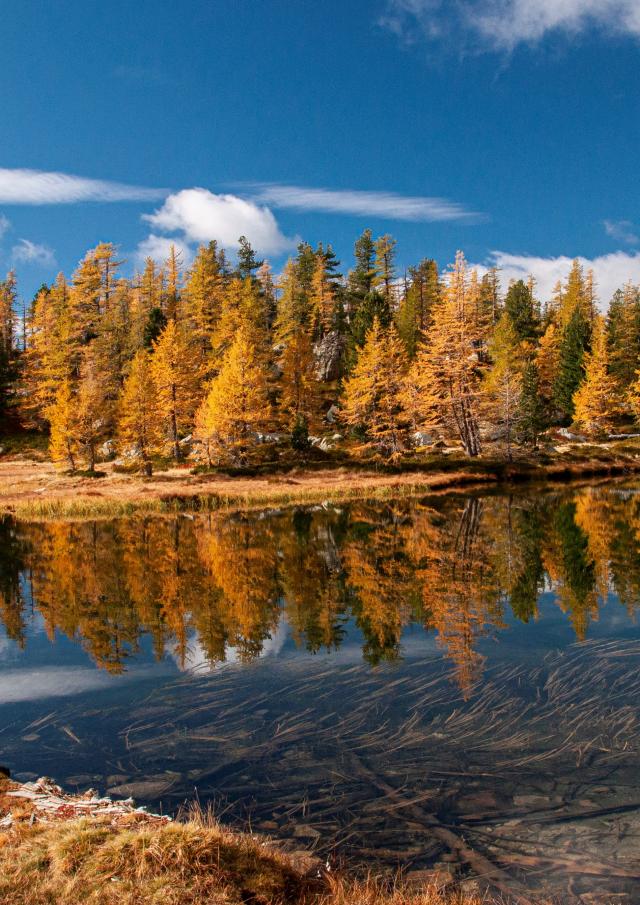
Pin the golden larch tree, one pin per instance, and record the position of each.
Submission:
(63, 442)
(596, 400)
(237, 403)
(140, 422)
(443, 388)
(372, 399)
(176, 382)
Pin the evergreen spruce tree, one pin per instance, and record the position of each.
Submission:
(574, 344)
(247, 261)
(421, 295)
(520, 306)
(532, 413)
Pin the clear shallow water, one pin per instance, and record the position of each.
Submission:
(447, 682)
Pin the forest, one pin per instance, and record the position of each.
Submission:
(217, 362)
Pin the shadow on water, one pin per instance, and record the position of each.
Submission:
(444, 683)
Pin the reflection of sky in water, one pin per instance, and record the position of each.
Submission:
(47, 668)
(253, 734)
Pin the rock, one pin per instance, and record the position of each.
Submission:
(336, 437)
(425, 879)
(306, 832)
(332, 415)
(328, 356)
(107, 450)
(422, 438)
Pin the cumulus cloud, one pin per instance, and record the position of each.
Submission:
(361, 203)
(39, 187)
(622, 231)
(610, 271)
(159, 247)
(503, 24)
(202, 216)
(27, 252)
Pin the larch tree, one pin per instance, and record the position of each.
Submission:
(443, 388)
(237, 404)
(547, 358)
(294, 312)
(372, 400)
(323, 298)
(140, 422)
(48, 355)
(176, 384)
(623, 335)
(299, 391)
(92, 415)
(503, 380)
(63, 440)
(595, 402)
(201, 304)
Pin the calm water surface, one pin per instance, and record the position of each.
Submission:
(449, 683)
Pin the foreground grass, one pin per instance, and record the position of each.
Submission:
(193, 863)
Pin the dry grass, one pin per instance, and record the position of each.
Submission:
(35, 491)
(193, 863)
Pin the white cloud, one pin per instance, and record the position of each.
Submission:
(5, 226)
(622, 231)
(611, 271)
(158, 248)
(202, 216)
(38, 187)
(27, 252)
(361, 203)
(503, 24)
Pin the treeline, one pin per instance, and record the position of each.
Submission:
(228, 583)
(224, 355)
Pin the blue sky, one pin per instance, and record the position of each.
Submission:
(507, 128)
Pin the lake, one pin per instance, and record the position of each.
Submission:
(449, 683)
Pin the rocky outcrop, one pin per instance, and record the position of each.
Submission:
(328, 354)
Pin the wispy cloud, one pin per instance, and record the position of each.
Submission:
(199, 215)
(39, 187)
(610, 271)
(27, 252)
(503, 24)
(622, 231)
(5, 226)
(387, 205)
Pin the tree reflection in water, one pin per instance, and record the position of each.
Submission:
(456, 567)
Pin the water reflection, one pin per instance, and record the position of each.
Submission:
(463, 569)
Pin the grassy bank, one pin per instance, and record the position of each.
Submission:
(34, 490)
(192, 863)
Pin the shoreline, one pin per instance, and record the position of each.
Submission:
(31, 489)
